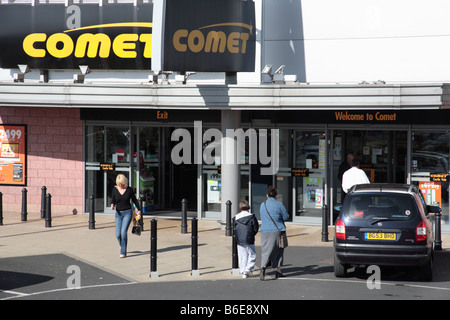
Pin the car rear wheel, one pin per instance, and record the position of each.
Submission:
(340, 270)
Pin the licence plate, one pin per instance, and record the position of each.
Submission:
(380, 236)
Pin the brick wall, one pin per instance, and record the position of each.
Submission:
(55, 158)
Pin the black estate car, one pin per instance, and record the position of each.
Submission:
(384, 224)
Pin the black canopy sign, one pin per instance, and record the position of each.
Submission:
(53, 36)
(205, 35)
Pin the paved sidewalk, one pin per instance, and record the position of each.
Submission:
(71, 235)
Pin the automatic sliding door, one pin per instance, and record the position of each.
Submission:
(105, 144)
(382, 155)
(310, 153)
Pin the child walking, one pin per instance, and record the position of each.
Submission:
(245, 228)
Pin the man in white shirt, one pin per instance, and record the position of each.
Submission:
(353, 176)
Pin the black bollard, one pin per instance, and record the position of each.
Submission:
(43, 194)
(1, 209)
(194, 269)
(153, 249)
(234, 256)
(437, 232)
(325, 223)
(141, 220)
(184, 216)
(24, 213)
(91, 212)
(48, 210)
(228, 228)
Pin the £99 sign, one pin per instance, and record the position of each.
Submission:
(13, 157)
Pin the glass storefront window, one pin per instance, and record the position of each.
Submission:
(212, 180)
(430, 163)
(283, 181)
(95, 151)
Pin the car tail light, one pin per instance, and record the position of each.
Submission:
(340, 229)
(421, 231)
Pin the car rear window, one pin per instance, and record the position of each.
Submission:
(392, 206)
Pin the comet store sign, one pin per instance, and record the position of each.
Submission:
(199, 35)
(209, 35)
(59, 37)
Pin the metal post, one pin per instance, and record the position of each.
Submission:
(437, 239)
(141, 220)
(325, 223)
(153, 249)
(228, 228)
(43, 194)
(184, 216)
(234, 255)
(91, 212)
(194, 269)
(24, 213)
(1, 209)
(48, 211)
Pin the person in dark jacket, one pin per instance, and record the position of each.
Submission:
(121, 198)
(246, 227)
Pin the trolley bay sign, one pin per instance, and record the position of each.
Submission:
(199, 35)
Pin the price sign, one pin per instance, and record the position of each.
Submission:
(13, 154)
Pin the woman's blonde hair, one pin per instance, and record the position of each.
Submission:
(121, 180)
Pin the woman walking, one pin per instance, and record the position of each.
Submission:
(273, 215)
(122, 195)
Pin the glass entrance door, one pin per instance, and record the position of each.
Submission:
(110, 146)
(310, 190)
(382, 155)
(148, 170)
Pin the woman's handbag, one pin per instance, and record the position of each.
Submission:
(136, 229)
(282, 239)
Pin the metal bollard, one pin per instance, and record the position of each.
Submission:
(234, 256)
(325, 223)
(24, 213)
(48, 211)
(194, 269)
(1, 209)
(91, 212)
(153, 249)
(184, 216)
(141, 220)
(228, 228)
(437, 232)
(43, 194)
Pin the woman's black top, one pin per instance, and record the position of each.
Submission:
(122, 201)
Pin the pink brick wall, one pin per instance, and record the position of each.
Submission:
(55, 158)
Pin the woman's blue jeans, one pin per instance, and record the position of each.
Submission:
(123, 220)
